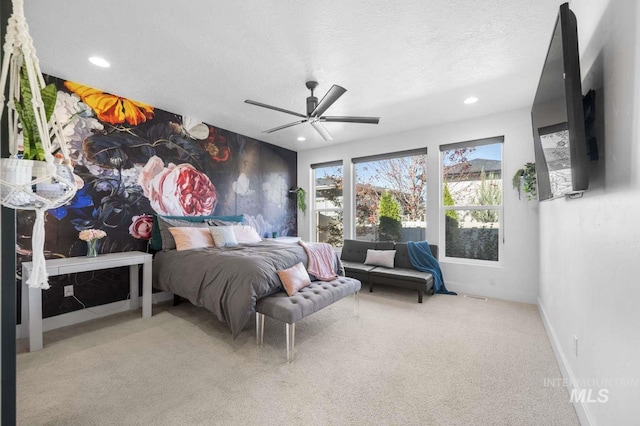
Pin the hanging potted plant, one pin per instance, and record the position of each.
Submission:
(31, 180)
(301, 198)
(31, 166)
(32, 148)
(525, 179)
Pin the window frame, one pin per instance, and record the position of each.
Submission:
(314, 209)
(442, 209)
(379, 157)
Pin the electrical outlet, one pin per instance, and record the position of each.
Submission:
(575, 345)
(68, 291)
(492, 282)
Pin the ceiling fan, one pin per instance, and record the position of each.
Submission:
(315, 109)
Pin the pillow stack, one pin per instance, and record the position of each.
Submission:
(162, 239)
(186, 233)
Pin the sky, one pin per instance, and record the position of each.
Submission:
(487, 152)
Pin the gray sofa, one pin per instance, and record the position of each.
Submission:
(403, 274)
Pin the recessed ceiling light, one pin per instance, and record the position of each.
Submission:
(471, 100)
(100, 62)
(302, 138)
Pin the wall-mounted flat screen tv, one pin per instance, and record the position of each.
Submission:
(558, 118)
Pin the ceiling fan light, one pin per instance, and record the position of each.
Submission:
(100, 62)
(321, 130)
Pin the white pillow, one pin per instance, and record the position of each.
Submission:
(380, 258)
(246, 234)
(223, 236)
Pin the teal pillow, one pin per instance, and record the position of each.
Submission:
(156, 238)
(223, 236)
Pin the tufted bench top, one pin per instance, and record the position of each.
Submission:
(305, 302)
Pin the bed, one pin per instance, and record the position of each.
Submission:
(227, 280)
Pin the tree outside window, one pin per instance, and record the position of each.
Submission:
(328, 203)
(391, 196)
(472, 199)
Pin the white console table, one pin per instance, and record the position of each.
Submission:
(32, 297)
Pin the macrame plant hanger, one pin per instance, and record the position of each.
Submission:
(27, 184)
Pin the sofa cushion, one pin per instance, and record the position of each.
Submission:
(356, 251)
(402, 274)
(402, 259)
(385, 245)
(402, 256)
(356, 266)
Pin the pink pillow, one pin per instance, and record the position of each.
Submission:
(294, 278)
(191, 238)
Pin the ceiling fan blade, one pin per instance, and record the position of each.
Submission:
(346, 119)
(284, 126)
(332, 95)
(323, 132)
(248, 101)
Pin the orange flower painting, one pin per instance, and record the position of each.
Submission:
(110, 108)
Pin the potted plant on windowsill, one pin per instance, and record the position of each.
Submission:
(301, 198)
(525, 179)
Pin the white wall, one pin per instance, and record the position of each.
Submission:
(516, 278)
(590, 247)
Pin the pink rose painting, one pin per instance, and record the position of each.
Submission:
(177, 190)
(141, 226)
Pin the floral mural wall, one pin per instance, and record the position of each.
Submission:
(131, 161)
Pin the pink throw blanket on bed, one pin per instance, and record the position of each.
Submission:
(321, 260)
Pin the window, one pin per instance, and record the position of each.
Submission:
(391, 196)
(472, 199)
(327, 203)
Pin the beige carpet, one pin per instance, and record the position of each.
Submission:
(449, 361)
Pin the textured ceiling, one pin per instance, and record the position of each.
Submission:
(412, 63)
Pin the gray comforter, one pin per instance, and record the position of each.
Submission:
(229, 280)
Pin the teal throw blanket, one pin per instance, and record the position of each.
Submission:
(422, 259)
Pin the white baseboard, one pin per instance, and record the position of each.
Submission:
(87, 314)
(491, 292)
(584, 415)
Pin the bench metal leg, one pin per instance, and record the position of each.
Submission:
(259, 329)
(357, 305)
(291, 337)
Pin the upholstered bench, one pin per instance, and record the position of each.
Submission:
(290, 309)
